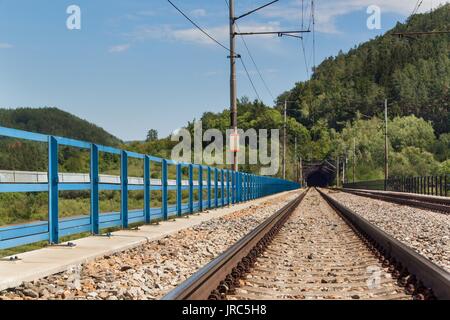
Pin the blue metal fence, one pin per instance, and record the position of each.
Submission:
(427, 185)
(234, 187)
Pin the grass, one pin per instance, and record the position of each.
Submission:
(17, 208)
(43, 244)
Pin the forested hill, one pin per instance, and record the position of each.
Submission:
(55, 122)
(412, 72)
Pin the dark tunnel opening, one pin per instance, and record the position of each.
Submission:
(320, 179)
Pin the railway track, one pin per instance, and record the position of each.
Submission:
(314, 248)
(439, 204)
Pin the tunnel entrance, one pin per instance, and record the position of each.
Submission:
(319, 179)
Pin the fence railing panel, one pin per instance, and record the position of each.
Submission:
(428, 185)
(215, 188)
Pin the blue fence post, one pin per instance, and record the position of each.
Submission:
(252, 179)
(233, 188)
(222, 188)
(261, 193)
(257, 187)
(244, 187)
(191, 188)
(147, 186)
(261, 187)
(209, 187)
(179, 192)
(124, 188)
(247, 176)
(252, 189)
(216, 188)
(239, 187)
(53, 190)
(164, 190)
(228, 188)
(247, 187)
(94, 190)
(200, 188)
(236, 199)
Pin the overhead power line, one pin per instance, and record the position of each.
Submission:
(257, 9)
(256, 66)
(249, 78)
(198, 27)
(303, 11)
(313, 8)
(302, 39)
(253, 60)
(417, 7)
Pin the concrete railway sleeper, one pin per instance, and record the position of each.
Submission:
(314, 248)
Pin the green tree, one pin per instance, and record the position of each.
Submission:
(444, 168)
(412, 161)
(152, 135)
(411, 131)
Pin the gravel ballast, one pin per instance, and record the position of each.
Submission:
(151, 270)
(427, 232)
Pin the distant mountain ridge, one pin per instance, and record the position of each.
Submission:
(54, 121)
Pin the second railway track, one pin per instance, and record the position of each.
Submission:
(316, 249)
(433, 203)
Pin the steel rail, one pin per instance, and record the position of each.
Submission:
(418, 201)
(422, 277)
(220, 275)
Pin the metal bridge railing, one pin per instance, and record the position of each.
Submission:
(215, 188)
(428, 185)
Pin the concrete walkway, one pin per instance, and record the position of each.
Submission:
(41, 263)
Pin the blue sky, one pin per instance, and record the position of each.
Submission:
(136, 65)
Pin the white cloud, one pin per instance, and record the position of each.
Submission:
(199, 13)
(5, 45)
(328, 10)
(119, 48)
(193, 35)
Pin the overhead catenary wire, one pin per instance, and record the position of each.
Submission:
(198, 27)
(256, 66)
(302, 40)
(217, 42)
(250, 78)
(311, 25)
(313, 32)
(253, 60)
(303, 12)
(417, 7)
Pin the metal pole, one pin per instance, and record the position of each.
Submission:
(337, 171)
(295, 161)
(233, 86)
(343, 169)
(354, 158)
(386, 155)
(301, 170)
(284, 140)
